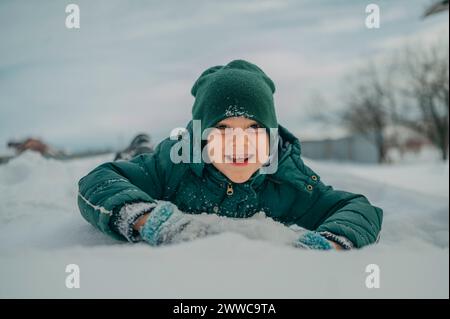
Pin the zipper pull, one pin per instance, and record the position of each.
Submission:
(230, 190)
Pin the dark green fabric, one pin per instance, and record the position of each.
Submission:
(239, 88)
(196, 188)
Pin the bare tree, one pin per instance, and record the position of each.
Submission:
(436, 7)
(370, 107)
(409, 90)
(425, 93)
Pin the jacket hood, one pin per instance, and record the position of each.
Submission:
(289, 152)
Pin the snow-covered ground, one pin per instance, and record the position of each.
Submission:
(41, 231)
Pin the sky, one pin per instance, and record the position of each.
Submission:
(131, 65)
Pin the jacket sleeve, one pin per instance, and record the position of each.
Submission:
(338, 214)
(346, 215)
(110, 186)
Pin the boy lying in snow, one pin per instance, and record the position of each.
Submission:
(154, 198)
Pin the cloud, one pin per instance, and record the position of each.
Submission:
(428, 33)
(132, 64)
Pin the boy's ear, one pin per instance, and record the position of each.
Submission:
(202, 77)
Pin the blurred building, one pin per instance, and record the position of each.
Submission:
(361, 148)
(355, 148)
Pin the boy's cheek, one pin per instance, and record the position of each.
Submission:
(215, 153)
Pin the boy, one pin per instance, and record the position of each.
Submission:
(153, 198)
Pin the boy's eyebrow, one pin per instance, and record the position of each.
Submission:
(221, 124)
(247, 126)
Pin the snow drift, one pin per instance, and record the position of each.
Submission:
(41, 231)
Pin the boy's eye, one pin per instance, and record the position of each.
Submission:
(221, 127)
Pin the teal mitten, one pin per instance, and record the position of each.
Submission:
(167, 224)
(164, 220)
(313, 240)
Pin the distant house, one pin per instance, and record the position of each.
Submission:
(355, 148)
(360, 148)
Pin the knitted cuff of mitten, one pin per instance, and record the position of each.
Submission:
(127, 216)
(341, 240)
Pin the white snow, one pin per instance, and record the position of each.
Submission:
(41, 231)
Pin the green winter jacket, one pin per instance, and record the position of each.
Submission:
(294, 194)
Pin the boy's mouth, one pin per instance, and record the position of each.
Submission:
(238, 160)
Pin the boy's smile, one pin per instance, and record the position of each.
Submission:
(241, 149)
(239, 161)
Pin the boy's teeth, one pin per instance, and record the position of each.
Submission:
(239, 159)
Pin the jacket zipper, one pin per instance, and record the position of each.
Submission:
(230, 190)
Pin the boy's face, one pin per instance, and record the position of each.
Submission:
(238, 147)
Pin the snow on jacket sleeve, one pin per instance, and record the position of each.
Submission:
(110, 186)
(346, 214)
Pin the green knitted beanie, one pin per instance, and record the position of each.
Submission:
(239, 88)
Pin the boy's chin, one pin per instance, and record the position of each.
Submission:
(239, 178)
(237, 174)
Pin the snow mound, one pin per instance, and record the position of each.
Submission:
(41, 231)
